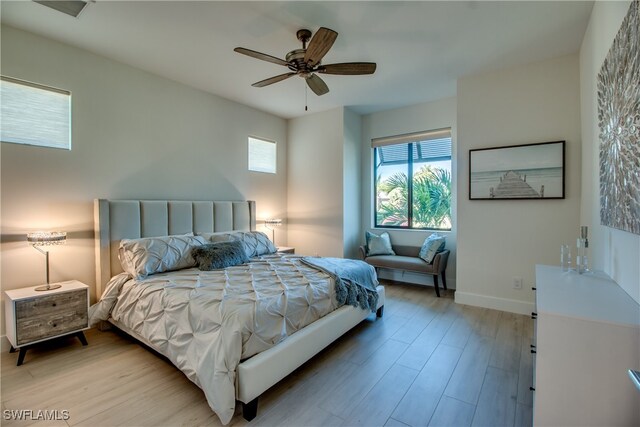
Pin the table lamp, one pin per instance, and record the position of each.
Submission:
(41, 240)
(271, 224)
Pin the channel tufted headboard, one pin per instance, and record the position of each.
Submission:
(131, 219)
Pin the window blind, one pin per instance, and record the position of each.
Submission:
(262, 155)
(412, 137)
(429, 146)
(34, 114)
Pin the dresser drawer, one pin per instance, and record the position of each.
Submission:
(49, 316)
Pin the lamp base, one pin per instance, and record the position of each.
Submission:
(48, 287)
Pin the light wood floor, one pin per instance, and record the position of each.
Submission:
(428, 361)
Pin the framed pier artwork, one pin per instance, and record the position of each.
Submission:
(530, 171)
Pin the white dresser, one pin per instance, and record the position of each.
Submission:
(587, 337)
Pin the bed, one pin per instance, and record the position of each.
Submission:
(278, 342)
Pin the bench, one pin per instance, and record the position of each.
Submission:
(407, 259)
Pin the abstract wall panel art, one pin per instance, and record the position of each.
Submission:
(619, 121)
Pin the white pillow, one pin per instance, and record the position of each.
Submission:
(149, 255)
(255, 243)
(378, 245)
(431, 246)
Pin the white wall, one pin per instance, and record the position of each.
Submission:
(135, 135)
(324, 183)
(614, 251)
(315, 187)
(415, 118)
(500, 240)
(352, 186)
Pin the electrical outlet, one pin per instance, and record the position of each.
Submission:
(517, 283)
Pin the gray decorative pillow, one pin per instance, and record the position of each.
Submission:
(255, 243)
(150, 255)
(431, 246)
(378, 245)
(213, 256)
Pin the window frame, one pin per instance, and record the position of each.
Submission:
(33, 142)
(409, 140)
(275, 157)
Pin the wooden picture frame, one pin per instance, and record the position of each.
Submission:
(518, 172)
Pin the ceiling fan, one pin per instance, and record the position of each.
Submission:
(305, 62)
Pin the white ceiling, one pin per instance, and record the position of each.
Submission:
(421, 47)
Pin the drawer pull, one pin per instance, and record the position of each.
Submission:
(532, 388)
(533, 346)
(54, 304)
(533, 352)
(534, 315)
(534, 288)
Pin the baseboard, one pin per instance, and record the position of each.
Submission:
(5, 345)
(503, 304)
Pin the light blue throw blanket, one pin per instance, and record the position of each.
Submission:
(356, 281)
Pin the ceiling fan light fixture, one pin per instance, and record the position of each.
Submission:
(305, 62)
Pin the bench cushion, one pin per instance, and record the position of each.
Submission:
(400, 262)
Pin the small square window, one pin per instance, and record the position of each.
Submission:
(262, 155)
(34, 114)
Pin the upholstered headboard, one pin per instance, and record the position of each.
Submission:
(131, 219)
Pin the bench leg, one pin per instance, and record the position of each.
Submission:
(444, 281)
(435, 283)
(380, 311)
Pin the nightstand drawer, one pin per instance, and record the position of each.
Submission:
(51, 304)
(42, 327)
(50, 316)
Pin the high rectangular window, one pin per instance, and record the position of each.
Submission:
(34, 114)
(262, 155)
(412, 188)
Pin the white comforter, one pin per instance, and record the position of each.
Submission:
(205, 322)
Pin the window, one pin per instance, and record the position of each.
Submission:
(262, 155)
(424, 201)
(34, 114)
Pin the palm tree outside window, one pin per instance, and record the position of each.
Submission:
(424, 201)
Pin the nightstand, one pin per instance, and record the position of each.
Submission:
(35, 316)
(286, 250)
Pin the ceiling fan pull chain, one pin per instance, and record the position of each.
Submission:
(305, 97)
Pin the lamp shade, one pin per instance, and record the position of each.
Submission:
(273, 222)
(47, 238)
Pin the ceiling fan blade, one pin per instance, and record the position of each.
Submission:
(348, 68)
(317, 85)
(272, 80)
(319, 45)
(258, 55)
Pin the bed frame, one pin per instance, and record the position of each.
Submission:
(131, 219)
